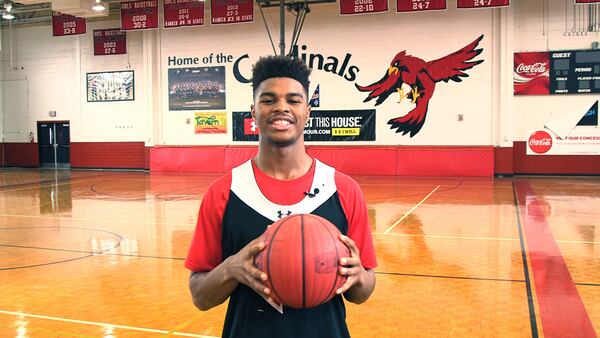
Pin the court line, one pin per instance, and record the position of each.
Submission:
(528, 288)
(450, 277)
(124, 327)
(142, 206)
(49, 185)
(411, 210)
(91, 253)
(93, 220)
(479, 238)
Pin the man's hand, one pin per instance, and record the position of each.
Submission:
(241, 268)
(360, 282)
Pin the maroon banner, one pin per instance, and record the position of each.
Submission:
(531, 73)
(419, 5)
(348, 7)
(481, 3)
(181, 13)
(231, 11)
(63, 24)
(587, 1)
(110, 41)
(139, 14)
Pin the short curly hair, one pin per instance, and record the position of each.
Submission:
(279, 66)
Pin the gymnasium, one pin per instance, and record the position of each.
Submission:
(479, 164)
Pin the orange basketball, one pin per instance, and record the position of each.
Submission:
(301, 258)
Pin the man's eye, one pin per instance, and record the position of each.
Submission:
(267, 101)
(294, 101)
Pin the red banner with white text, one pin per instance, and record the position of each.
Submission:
(531, 73)
(139, 14)
(587, 1)
(64, 24)
(420, 5)
(110, 41)
(349, 7)
(231, 11)
(481, 3)
(182, 13)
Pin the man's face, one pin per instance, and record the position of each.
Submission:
(281, 110)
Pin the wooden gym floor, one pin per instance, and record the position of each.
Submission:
(100, 254)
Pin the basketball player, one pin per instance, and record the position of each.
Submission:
(282, 179)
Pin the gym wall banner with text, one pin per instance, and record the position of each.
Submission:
(323, 125)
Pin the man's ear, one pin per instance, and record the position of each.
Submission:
(252, 110)
(308, 110)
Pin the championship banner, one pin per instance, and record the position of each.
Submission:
(481, 3)
(323, 125)
(182, 13)
(63, 24)
(531, 73)
(420, 5)
(139, 14)
(210, 123)
(109, 41)
(574, 133)
(231, 11)
(349, 7)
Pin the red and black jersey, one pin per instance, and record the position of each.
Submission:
(239, 206)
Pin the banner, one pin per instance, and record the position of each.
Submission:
(419, 5)
(231, 11)
(210, 123)
(109, 41)
(481, 3)
(363, 6)
(587, 1)
(63, 24)
(574, 133)
(323, 125)
(139, 14)
(181, 13)
(531, 73)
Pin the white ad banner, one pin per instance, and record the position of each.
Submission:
(581, 141)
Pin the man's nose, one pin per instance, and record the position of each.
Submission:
(281, 106)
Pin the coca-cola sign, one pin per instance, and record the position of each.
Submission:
(540, 142)
(531, 75)
(536, 68)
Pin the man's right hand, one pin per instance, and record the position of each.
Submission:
(241, 268)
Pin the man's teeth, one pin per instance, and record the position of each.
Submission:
(281, 122)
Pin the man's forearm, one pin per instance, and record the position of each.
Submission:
(211, 288)
(361, 291)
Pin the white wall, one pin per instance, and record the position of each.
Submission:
(55, 69)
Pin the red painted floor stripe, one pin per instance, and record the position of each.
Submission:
(560, 307)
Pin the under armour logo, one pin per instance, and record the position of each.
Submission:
(253, 125)
(312, 194)
(280, 213)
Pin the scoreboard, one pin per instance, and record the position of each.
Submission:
(575, 72)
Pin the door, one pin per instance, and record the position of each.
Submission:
(54, 143)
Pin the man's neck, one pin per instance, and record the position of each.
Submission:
(285, 163)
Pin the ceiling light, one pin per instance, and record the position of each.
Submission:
(7, 16)
(98, 7)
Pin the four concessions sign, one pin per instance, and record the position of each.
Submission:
(110, 41)
(531, 73)
(419, 5)
(324, 125)
(481, 3)
(141, 14)
(180, 13)
(363, 6)
(63, 24)
(231, 11)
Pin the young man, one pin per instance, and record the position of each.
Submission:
(282, 179)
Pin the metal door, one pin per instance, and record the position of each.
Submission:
(54, 143)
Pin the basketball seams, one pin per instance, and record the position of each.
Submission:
(268, 262)
(303, 261)
(337, 256)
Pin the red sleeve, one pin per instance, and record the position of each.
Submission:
(205, 249)
(359, 227)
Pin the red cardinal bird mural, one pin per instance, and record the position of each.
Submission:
(421, 76)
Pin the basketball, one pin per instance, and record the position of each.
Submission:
(301, 258)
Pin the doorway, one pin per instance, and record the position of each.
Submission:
(54, 142)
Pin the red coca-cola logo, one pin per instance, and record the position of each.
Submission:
(540, 142)
(538, 67)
